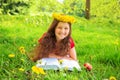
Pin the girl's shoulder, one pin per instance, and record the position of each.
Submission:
(72, 44)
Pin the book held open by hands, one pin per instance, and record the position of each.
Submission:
(55, 64)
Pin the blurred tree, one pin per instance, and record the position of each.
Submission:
(87, 9)
(106, 8)
(74, 7)
(101, 8)
(14, 6)
(45, 6)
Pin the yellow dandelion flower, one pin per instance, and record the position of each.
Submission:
(38, 70)
(22, 51)
(112, 78)
(11, 55)
(21, 69)
(21, 48)
(63, 18)
(60, 61)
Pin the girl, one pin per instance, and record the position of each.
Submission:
(57, 41)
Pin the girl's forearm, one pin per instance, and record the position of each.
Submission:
(65, 57)
(60, 57)
(55, 56)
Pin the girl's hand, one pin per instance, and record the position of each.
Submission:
(52, 55)
(66, 57)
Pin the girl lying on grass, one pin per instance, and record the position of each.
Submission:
(57, 41)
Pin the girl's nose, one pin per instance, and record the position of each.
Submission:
(62, 30)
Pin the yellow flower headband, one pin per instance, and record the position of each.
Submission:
(63, 18)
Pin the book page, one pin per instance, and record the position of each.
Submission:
(48, 63)
(70, 64)
(55, 64)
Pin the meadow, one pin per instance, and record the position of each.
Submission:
(97, 42)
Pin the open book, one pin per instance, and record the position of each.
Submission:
(55, 64)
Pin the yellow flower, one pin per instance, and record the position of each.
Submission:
(64, 18)
(112, 78)
(60, 61)
(38, 70)
(21, 69)
(11, 55)
(22, 50)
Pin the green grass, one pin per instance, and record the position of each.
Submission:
(94, 39)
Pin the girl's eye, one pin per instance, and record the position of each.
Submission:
(66, 28)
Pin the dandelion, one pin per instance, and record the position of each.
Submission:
(22, 50)
(60, 61)
(112, 78)
(38, 70)
(64, 18)
(11, 55)
(21, 69)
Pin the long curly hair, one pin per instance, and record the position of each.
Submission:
(48, 43)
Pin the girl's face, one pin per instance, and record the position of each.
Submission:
(62, 30)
